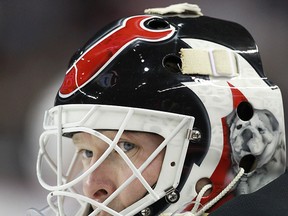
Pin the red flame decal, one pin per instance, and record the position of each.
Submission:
(101, 53)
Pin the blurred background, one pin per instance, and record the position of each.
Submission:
(37, 39)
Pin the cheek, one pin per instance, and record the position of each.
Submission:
(151, 173)
(136, 190)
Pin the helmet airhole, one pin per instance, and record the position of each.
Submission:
(201, 183)
(248, 163)
(245, 111)
(172, 63)
(156, 24)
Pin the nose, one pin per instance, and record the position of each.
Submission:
(247, 134)
(100, 184)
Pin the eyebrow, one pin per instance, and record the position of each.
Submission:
(131, 136)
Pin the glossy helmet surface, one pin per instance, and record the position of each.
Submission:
(195, 80)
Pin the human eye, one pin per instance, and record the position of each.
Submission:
(126, 146)
(86, 153)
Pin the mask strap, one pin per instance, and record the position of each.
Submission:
(202, 211)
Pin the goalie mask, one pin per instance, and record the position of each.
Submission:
(159, 114)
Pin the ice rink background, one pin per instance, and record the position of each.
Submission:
(37, 39)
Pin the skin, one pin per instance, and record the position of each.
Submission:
(103, 181)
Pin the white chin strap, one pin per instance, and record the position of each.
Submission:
(201, 212)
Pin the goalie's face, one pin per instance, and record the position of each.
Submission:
(114, 171)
